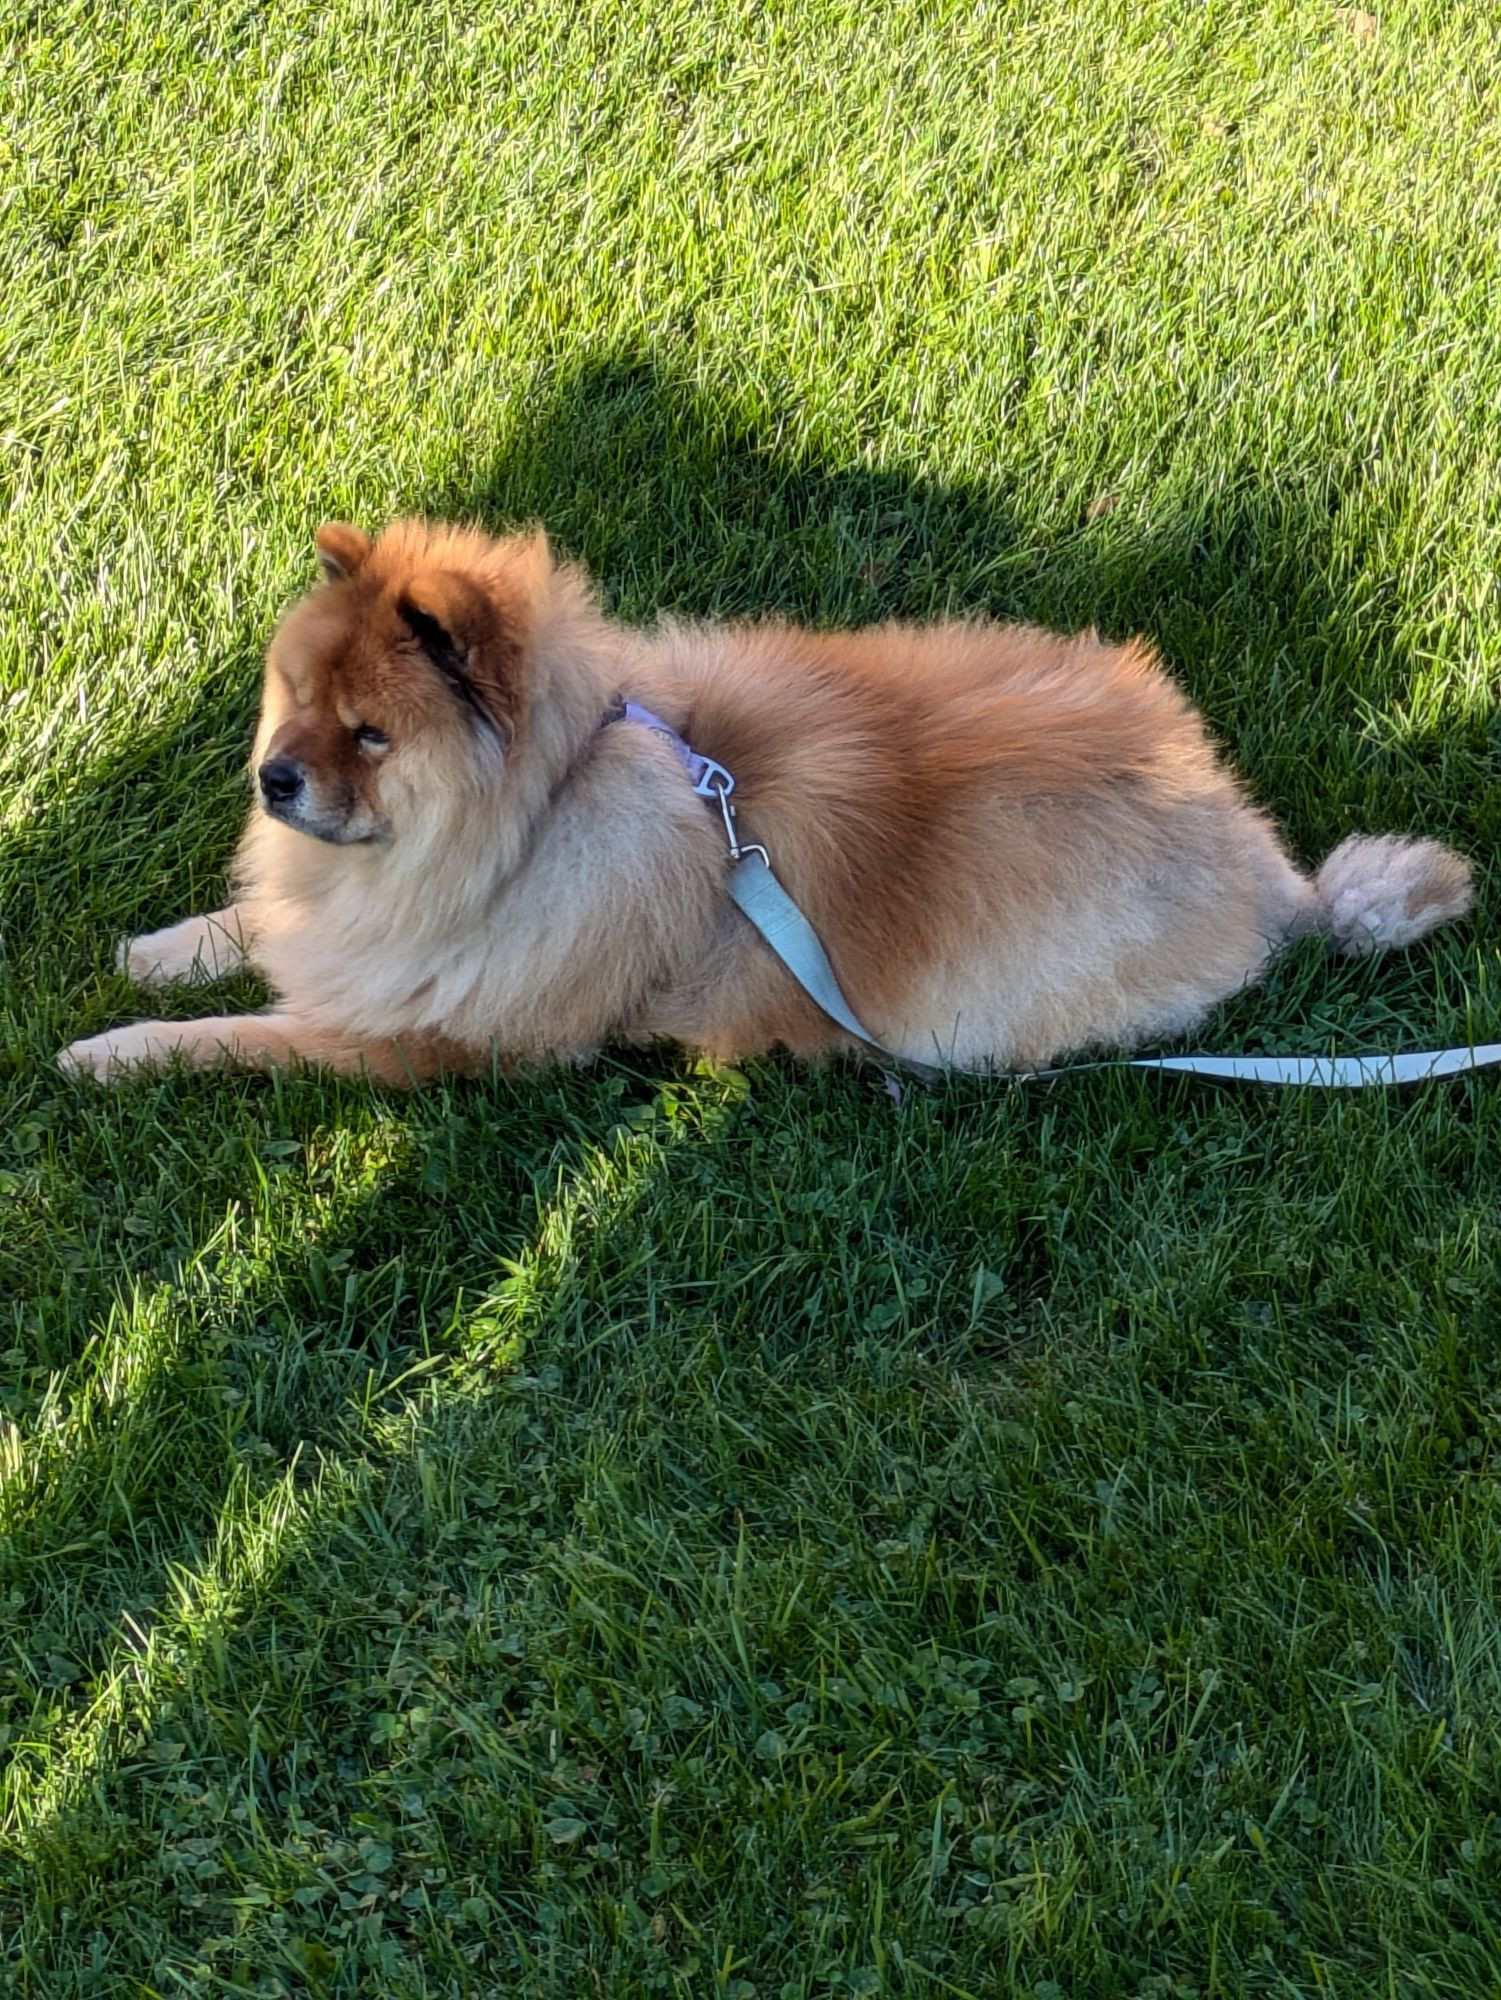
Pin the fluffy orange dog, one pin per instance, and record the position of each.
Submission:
(1013, 845)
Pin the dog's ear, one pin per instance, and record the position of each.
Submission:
(462, 633)
(341, 550)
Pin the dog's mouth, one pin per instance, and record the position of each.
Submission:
(342, 827)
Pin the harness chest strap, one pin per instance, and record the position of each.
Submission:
(765, 903)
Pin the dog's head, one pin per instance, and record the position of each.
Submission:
(399, 681)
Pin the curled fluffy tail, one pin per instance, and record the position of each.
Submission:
(1380, 891)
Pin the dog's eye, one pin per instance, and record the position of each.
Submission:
(372, 739)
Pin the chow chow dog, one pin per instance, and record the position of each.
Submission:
(1013, 845)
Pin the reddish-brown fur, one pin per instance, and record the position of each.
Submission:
(1012, 844)
(885, 762)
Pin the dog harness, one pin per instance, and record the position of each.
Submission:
(766, 903)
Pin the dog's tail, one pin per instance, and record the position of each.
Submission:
(1377, 892)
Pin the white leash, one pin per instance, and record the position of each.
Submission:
(1313, 1072)
(767, 905)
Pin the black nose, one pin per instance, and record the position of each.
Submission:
(281, 781)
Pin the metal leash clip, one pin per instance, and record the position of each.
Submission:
(715, 782)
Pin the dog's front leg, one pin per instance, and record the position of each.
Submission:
(244, 1041)
(200, 949)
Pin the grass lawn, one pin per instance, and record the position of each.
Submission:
(663, 1531)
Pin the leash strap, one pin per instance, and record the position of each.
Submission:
(777, 917)
(762, 899)
(1324, 1072)
(779, 920)
(757, 892)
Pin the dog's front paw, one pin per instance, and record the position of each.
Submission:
(134, 957)
(159, 959)
(199, 950)
(105, 1057)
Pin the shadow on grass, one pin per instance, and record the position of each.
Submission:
(286, 1563)
(716, 1512)
(674, 502)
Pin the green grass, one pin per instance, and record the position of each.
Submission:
(662, 1531)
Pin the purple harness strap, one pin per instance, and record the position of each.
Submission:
(710, 780)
